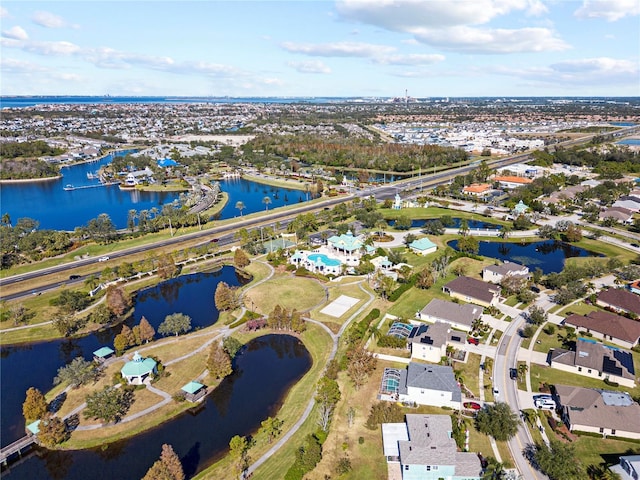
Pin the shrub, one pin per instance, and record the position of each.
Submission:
(384, 412)
(360, 440)
(391, 341)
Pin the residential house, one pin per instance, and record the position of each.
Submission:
(595, 360)
(495, 273)
(346, 245)
(568, 194)
(134, 178)
(619, 300)
(635, 287)
(510, 181)
(423, 246)
(421, 384)
(607, 326)
(607, 412)
(429, 342)
(424, 449)
(460, 316)
(619, 214)
(474, 291)
(628, 468)
(628, 202)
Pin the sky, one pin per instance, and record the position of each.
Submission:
(342, 48)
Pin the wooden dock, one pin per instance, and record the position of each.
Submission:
(16, 447)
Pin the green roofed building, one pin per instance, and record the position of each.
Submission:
(423, 246)
(137, 370)
(102, 354)
(194, 391)
(34, 427)
(346, 243)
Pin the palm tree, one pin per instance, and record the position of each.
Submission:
(523, 368)
(240, 206)
(131, 219)
(266, 200)
(6, 220)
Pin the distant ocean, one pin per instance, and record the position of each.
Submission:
(28, 101)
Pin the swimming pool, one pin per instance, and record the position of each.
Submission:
(327, 261)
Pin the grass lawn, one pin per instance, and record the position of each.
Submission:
(579, 308)
(512, 301)
(544, 342)
(288, 291)
(470, 371)
(352, 290)
(593, 451)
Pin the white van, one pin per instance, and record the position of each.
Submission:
(545, 403)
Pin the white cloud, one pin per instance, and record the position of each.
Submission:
(410, 59)
(11, 65)
(406, 15)
(4, 13)
(50, 20)
(610, 10)
(310, 66)
(17, 33)
(337, 49)
(493, 41)
(61, 48)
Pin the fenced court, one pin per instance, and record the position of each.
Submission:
(339, 306)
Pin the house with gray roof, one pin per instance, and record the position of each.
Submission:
(607, 326)
(607, 412)
(628, 468)
(429, 342)
(424, 449)
(496, 273)
(620, 300)
(458, 315)
(473, 291)
(596, 360)
(426, 384)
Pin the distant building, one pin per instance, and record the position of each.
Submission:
(139, 176)
(607, 326)
(138, 370)
(595, 360)
(477, 189)
(424, 449)
(423, 246)
(397, 202)
(607, 412)
(620, 300)
(510, 182)
(495, 273)
(460, 316)
(520, 209)
(474, 291)
(619, 214)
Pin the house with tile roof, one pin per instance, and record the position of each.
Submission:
(607, 412)
(477, 189)
(457, 315)
(607, 326)
(619, 300)
(473, 291)
(510, 181)
(424, 449)
(596, 360)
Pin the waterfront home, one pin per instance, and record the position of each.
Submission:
(422, 384)
(423, 448)
(423, 246)
(496, 273)
(473, 291)
(607, 412)
(457, 315)
(139, 176)
(619, 300)
(139, 369)
(429, 343)
(607, 326)
(596, 360)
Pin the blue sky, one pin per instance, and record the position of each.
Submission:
(429, 48)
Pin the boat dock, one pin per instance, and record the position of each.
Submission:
(16, 447)
(70, 187)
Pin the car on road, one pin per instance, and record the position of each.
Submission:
(635, 245)
(103, 259)
(74, 277)
(496, 393)
(513, 374)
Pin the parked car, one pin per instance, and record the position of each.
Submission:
(545, 404)
(473, 341)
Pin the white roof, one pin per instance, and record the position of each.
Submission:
(392, 433)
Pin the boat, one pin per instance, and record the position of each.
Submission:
(68, 187)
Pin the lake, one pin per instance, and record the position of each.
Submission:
(263, 372)
(35, 365)
(548, 255)
(58, 209)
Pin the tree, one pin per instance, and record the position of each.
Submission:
(128, 333)
(231, 345)
(494, 470)
(468, 244)
(267, 201)
(537, 315)
(168, 467)
(34, 406)
(175, 324)
(523, 368)
(240, 259)
(558, 460)
(497, 420)
(327, 396)
(118, 301)
(239, 451)
(240, 206)
(166, 266)
(573, 233)
(101, 314)
(384, 412)
(272, 427)
(120, 343)
(424, 279)
(360, 365)
(409, 238)
(65, 323)
(52, 431)
(76, 373)
(131, 219)
(219, 361)
(147, 332)
(224, 297)
(403, 223)
(109, 404)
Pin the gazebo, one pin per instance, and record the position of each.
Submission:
(102, 354)
(194, 391)
(137, 370)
